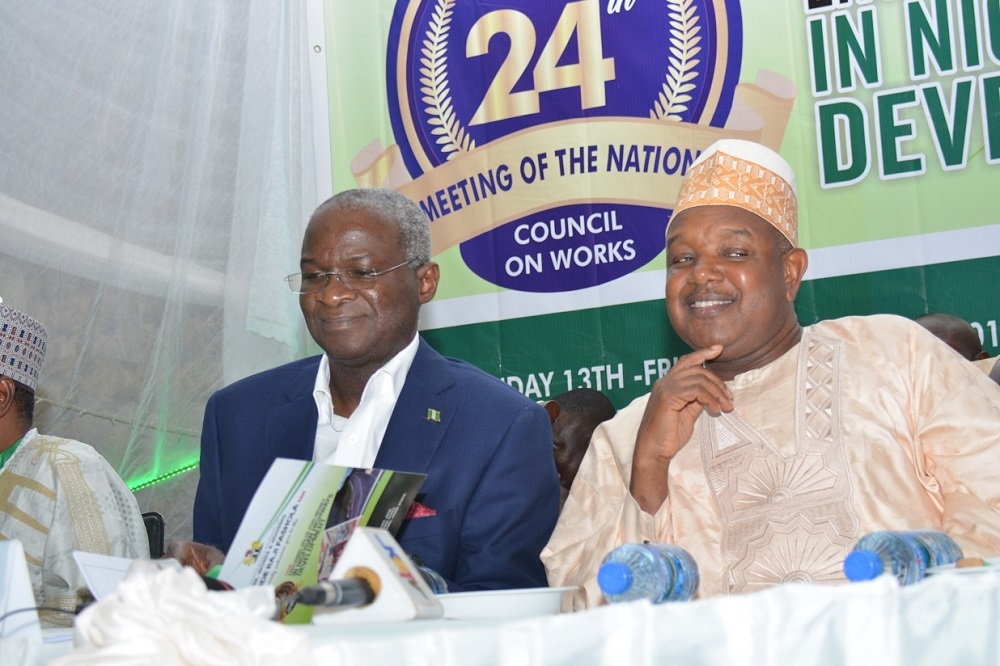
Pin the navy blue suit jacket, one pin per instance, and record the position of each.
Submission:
(491, 477)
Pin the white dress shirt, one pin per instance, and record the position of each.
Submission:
(355, 441)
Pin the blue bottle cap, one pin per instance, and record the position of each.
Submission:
(863, 565)
(614, 577)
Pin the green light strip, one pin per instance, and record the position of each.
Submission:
(169, 475)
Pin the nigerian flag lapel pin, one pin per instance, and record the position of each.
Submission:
(433, 415)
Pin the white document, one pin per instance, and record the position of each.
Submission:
(103, 573)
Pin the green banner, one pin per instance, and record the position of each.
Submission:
(623, 349)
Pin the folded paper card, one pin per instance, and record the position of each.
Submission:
(104, 573)
(20, 631)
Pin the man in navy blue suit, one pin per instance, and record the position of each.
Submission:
(380, 397)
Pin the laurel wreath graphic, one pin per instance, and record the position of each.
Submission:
(452, 137)
(673, 98)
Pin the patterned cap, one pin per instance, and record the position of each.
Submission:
(733, 172)
(22, 346)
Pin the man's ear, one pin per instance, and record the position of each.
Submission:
(795, 262)
(7, 390)
(428, 276)
(552, 408)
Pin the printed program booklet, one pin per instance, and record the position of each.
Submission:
(300, 519)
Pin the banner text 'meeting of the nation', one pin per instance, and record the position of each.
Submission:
(570, 161)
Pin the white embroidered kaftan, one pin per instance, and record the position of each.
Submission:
(59, 495)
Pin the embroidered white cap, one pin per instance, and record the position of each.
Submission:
(22, 346)
(734, 172)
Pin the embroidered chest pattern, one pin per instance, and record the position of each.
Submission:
(786, 517)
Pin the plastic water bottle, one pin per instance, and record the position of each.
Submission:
(648, 571)
(433, 579)
(906, 554)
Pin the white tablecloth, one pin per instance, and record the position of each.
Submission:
(946, 619)
(953, 619)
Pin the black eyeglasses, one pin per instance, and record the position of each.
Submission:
(355, 278)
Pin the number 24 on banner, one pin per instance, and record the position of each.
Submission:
(589, 74)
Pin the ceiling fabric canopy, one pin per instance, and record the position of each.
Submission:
(156, 173)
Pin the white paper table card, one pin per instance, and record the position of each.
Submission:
(20, 632)
(103, 573)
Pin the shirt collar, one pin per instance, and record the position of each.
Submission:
(8, 453)
(396, 369)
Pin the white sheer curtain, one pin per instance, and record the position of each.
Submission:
(156, 172)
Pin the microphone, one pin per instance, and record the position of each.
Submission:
(340, 593)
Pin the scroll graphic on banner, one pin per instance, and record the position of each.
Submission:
(300, 520)
(544, 143)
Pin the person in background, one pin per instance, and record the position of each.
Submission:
(963, 338)
(575, 415)
(380, 397)
(771, 448)
(56, 495)
(956, 332)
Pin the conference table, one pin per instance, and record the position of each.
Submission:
(945, 619)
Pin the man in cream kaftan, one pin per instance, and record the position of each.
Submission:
(869, 423)
(771, 448)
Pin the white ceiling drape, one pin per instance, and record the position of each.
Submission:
(156, 172)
